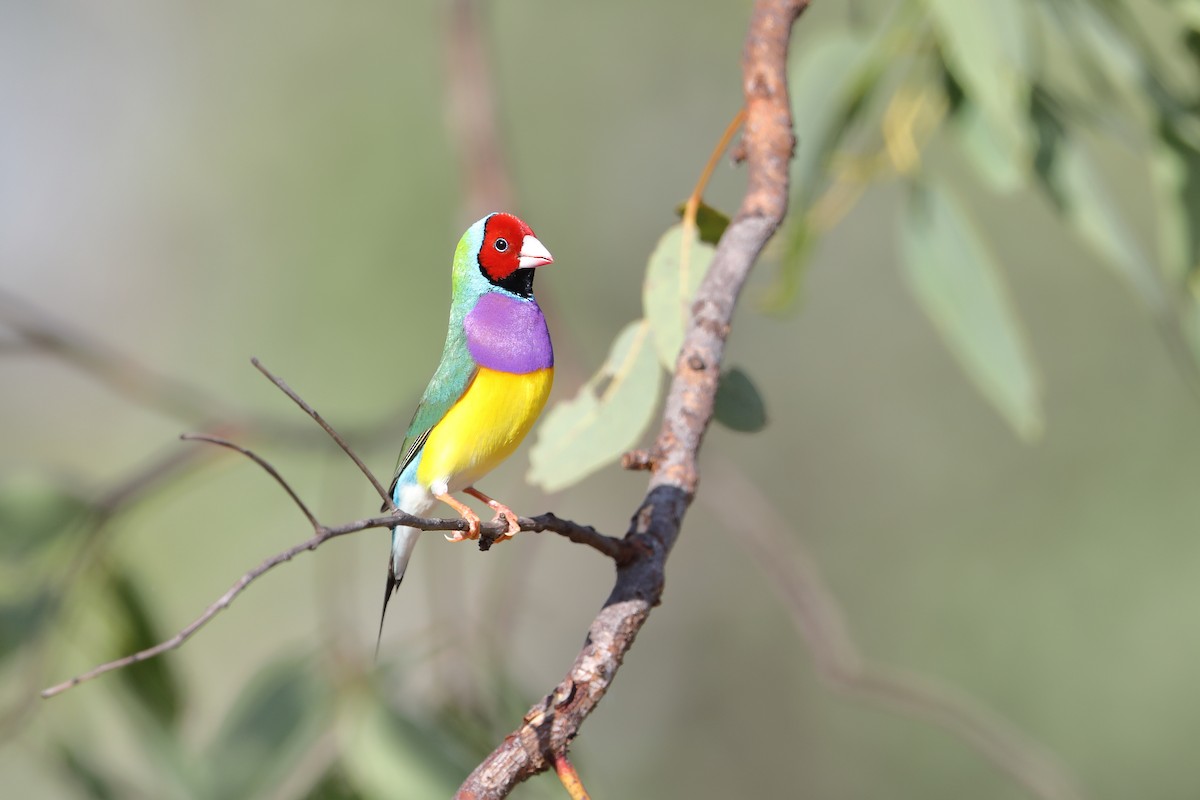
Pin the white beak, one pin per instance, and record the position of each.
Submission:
(533, 253)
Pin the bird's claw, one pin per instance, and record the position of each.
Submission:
(472, 531)
(509, 517)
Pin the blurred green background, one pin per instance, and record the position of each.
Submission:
(191, 184)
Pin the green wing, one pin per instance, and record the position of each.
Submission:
(449, 383)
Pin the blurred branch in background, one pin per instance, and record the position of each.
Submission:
(40, 334)
(471, 113)
(770, 539)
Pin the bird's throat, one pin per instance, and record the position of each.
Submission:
(519, 282)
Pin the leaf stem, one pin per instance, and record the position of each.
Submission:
(693, 201)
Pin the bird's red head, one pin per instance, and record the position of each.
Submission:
(509, 245)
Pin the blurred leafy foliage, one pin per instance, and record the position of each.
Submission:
(1021, 91)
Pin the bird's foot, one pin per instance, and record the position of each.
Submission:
(510, 516)
(502, 511)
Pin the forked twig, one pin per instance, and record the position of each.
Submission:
(312, 412)
(262, 462)
(619, 550)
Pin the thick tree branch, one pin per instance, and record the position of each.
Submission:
(768, 141)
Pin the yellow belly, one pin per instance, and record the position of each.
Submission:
(483, 428)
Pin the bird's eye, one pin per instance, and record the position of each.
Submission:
(501, 245)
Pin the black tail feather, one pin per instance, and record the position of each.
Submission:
(392, 583)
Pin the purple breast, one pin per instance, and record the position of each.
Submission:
(508, 335)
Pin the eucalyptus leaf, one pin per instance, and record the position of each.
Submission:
(956, 282)
(387, 757)
(738, 404)
(266, 729)
(1175, 170)
(606, 418)
(35, 513)
(86, 776)
(677, 266)
(829, 81)
(997, 159)
(1092, 213)
(152, 682)
(985, 46)
(785, 291)
(22, 619)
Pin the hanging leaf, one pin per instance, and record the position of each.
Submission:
(22, 620)
(386, 756)
(738, 405)
(153, 682)
(829, 82)
(997, 159)
(784, 293)
(985, 47)
(607, 417)
(677, 265)
(1175, 169)
(86, 776)
(959, 287)
(1090, 210)
(266, 729)
(34, 514)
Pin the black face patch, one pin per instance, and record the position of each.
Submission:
(520, 282)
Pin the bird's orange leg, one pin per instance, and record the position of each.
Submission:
(473, 521)
(510, 516)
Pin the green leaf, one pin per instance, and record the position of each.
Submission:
(22, 620)
(985, 48)
(677, 265)
(153, 682)
(34, 514)
(783, 295)
(829, 82)
(266, 729)
(91, 782)
(1175, 170)
(709, 221)
(1091, 212)
(997, 159)
(738, 405)
(607, 417)
(959, 287)
(390, 758)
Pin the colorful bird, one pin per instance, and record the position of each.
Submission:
(496, 370)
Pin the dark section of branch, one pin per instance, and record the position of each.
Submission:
(551, 724)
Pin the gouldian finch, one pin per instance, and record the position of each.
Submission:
(496, 370)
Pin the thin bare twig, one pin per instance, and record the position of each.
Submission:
(312, 412)
(262, 462)
(619, 550)
(768, 139)
(817, 615)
